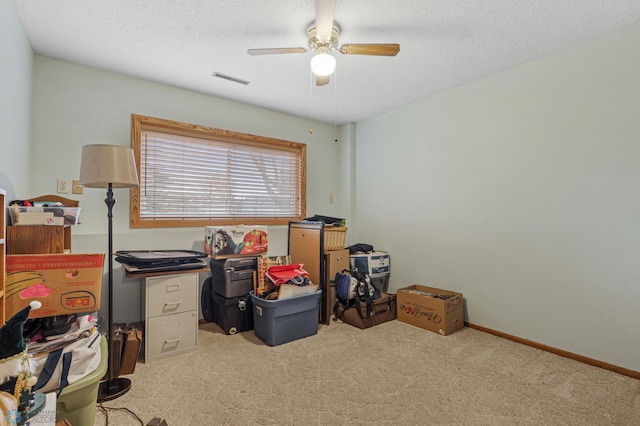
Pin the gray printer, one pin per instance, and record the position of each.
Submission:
(233, 277)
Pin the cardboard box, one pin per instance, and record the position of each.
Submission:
(433, 309)
(63, 283)
(223, 242)
(375, 263)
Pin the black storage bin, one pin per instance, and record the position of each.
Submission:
(234, 314)
(233, 277)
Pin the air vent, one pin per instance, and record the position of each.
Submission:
(230, 78)
(380, 110)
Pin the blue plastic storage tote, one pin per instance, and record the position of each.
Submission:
(280, 321)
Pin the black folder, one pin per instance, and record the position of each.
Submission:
(143, 261)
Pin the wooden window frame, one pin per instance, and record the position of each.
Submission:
(140, 123)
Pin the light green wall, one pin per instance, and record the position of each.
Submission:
(76, 105)
(519, 190)
(522, 191)
(16, 63)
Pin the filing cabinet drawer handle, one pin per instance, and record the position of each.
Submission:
(169, 341)
(173, 287)
(176, 303)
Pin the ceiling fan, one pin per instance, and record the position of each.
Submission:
(322, 38)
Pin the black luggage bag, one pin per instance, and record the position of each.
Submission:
(383, 309)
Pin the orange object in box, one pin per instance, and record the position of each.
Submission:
(64, 283)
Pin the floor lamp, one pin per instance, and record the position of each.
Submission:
(109, 166)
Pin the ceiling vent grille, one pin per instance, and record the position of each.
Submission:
(231, 78)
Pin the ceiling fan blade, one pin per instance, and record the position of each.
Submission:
(322, 80)
(276, 50)
(370, 49)
(325, 12)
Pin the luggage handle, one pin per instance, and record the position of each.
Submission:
(382, 308)
(388, 305)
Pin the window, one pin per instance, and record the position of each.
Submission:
(192, 175)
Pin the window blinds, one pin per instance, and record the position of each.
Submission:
(189, 178)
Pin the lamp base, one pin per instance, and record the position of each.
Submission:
(112, 389)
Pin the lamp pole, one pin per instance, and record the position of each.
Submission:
(109, 166)
(113, 387)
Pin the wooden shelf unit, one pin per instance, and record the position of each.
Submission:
(41, 239)
(3, 240)
(32, 239)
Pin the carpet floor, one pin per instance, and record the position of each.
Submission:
(390, 374)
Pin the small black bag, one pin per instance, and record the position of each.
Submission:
(360, 247)
(48, 326)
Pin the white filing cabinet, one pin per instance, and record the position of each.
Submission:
(171, 315)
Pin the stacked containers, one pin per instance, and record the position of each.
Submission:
(232, 280)
(376, 264)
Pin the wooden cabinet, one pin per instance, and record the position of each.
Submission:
(2, 253)
(306, 246)
(171, 315)
(37, 239)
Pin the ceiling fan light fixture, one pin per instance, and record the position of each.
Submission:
(323, 64)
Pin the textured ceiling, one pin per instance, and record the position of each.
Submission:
(444, 44)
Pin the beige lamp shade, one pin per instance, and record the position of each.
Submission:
(102, 165)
